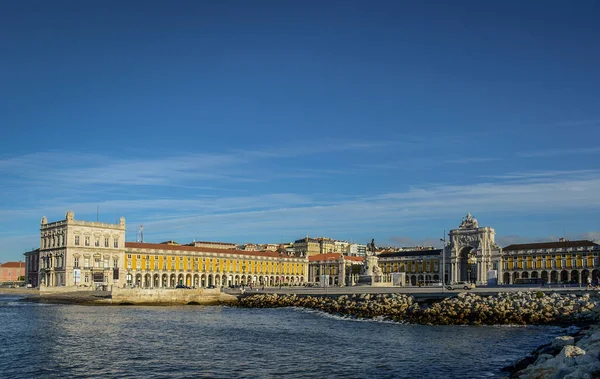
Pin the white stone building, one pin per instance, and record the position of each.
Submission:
(81, 253)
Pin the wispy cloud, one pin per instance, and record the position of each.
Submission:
(370, 213)
(560, 152)
(182, 197)
(542, 174)
(420, 163)
(68, 170)
(317, 147)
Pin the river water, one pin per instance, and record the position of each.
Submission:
(41, 340)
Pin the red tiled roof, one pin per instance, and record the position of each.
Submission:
(324, 257)
(550, 245)
(157, 246)
(333, 257)
(353, 258)
(213, 243)
(13, 264)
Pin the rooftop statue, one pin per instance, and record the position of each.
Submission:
(371, 247)
(469, 222)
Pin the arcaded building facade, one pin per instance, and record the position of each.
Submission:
(165, 265)
(334, 269)
(554, 262)
(420, 266)
(75, 253)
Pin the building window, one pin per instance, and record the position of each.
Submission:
(76, 240)
(155, 265)
(86, 277)
(105, 241)
(97, 242)
(106, 263)
(147, 264)
(76, 263)
(87, 240)
(116, 243)
(138, 264)
(129, 264)
(115, 263)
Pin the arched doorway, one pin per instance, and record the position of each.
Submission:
(585, 274)
(545, 276)
(575, 276)
(564, 276)
(506, 278)
(595, 275)
(467, 265)
(554, 276)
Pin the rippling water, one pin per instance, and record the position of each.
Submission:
(40, 340)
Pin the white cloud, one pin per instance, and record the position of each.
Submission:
(560, 152)
(50, 183)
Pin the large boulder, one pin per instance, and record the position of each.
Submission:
(562, 341)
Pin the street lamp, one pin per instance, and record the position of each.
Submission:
(443, 261)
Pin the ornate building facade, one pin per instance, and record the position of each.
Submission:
(553, 262)
(334, 269)
(76, 253)
(421, 267)
(165, 266)
(473, 252)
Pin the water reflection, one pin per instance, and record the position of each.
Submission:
(190, 341)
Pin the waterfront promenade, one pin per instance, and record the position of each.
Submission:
(414, 291)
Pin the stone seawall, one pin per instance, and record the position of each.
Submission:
(520, 308)
(169, 296)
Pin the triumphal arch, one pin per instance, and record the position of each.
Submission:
(474, 255)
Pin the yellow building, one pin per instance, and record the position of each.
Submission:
(552, 262)
(422, 267)
(307, 246)
(334, 269)
(161, 266)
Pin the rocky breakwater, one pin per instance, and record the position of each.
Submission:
(520, 308)
(570, 356)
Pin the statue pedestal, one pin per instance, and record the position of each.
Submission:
(371, 273)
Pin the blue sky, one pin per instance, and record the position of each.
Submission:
(266, 121)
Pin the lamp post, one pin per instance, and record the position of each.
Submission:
(443, 261)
